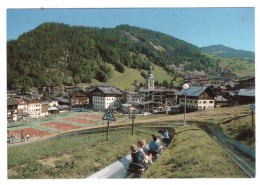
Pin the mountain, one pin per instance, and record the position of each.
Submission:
(59, 54)
(227, 52)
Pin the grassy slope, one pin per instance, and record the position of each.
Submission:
(249, 68)
(235, 63)
(192, 156)
(124, 80)
(235, 122)
(241, 130)
(160, 74)
(200, 158)
(75, 156)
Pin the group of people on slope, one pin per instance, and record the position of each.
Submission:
(138, 154)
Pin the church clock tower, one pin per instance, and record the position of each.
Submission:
(150, 79)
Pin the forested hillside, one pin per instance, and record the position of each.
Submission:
(59, 54)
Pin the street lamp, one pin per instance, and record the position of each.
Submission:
(185, 87)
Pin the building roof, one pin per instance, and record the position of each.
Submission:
(61, 99)
(45, 103)
(52, 108)
(126, 105)
(222, 87)
(131, 92)
(32, 100)
(245, 79)
(63, 107)
(11, 102)
(46, 98)
(220, 98)
(20, 101)
(246, 92)
(194, 91)
(28, 99)
(151, 90)
(110, 90)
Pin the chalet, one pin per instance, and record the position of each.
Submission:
(53, 110)
(198, 98)
(12, 108)
(244, 96)
(141, 107)
(63, 108)
(246, 83)
(129, 96)
(231, 86)
(52, 102)
(79, 99)
(45, 106)
(147, 94)
(127, 107)
(170, 97)
(70, 89)
(220, 101)
(104, 97)
(63, 101)
(22, 105)
(158, 99)
(219, 89)
(34, 107)
(22, 109)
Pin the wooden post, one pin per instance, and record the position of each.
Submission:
(107, 129)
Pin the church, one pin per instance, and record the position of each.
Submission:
(156, 98)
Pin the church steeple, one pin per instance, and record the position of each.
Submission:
(150, 79)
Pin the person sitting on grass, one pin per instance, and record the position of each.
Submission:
(137, 157)
(11, 138)
(154, 145)
(141, 143)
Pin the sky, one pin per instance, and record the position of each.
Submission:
(232, 27)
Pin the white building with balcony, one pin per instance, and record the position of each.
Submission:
(105, 97)
(197, 98)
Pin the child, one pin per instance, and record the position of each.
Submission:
(154, 144)
(141, 143)
(137, 157)
(11, 138)
(165, 133)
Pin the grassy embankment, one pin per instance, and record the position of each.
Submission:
(193, 154)
(236, 122)
(75, 156)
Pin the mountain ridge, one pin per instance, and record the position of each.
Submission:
(227, 52)
(59, 54)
